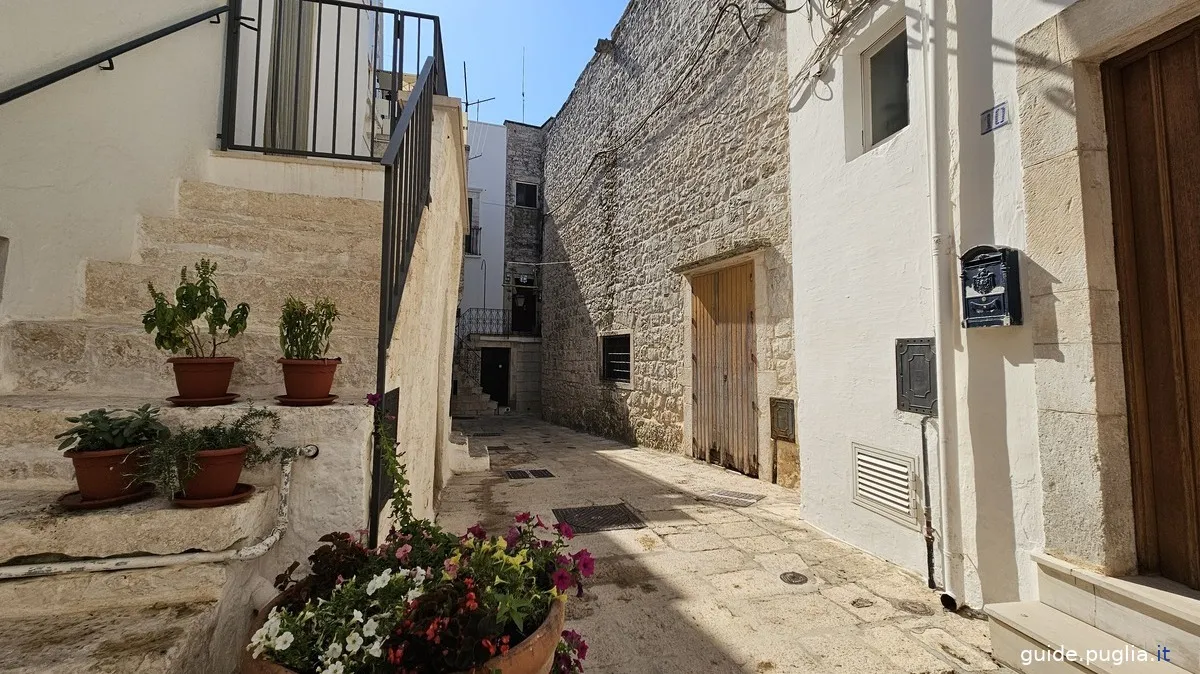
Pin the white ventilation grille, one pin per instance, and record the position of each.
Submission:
(884, 483)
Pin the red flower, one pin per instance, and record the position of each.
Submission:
(565, 529)
(477, 532)
(491, 648)
(585, 563)
(522, 518)
(539, 523)
(562, 579)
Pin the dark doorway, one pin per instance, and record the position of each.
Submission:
(1154, 124)
(494, 373)
(524, 311)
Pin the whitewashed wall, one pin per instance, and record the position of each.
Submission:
(484, 273)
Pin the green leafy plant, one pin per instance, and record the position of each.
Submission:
(304, 331)
(195, 322)
(101, 429)
(171, 461)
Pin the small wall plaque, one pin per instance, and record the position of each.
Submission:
(783, 419)
(916, 376)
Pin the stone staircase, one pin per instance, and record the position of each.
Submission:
(267, 245)
(469, 400)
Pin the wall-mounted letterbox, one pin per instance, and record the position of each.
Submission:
(991, 287)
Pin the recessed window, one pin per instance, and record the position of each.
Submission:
(527, 195)
(615, 357)
(885, 74)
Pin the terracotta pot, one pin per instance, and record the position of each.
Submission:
(534, 655)
(202, 378)
(218, 474)
(104, 474)
(308, 379)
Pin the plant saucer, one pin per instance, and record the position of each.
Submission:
(75, 501)
(180, 401)
(241, 492)
(305, 402)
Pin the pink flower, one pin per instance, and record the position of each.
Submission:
(562, 562)
(522, 518)
(562, 579)
(373, 399)
(451, 568)
(565, 530)
(402, 551)
(539, 523)
(513, 535)
(477, 532)
(585, 563)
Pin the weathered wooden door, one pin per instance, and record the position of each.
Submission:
(1153, 99)
(724, 419)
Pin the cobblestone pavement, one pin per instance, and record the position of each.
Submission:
(699, 589)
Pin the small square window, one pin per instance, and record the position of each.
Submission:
(527, 195)
(885, 73)
(615, 356)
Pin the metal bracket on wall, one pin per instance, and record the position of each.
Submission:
(108, 65)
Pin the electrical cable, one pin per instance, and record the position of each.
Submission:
(783, 9)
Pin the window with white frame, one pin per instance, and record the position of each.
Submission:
(885, 86)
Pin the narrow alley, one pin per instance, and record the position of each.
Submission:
(699, 588)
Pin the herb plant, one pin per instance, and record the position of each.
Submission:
(304, 331)
(172, 460)
(101, 429)
(198, 318)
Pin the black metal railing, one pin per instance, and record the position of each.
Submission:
(406, 191)
(105, 58)
(322, 78)
(484, 322)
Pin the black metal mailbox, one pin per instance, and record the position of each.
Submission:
(991, 287)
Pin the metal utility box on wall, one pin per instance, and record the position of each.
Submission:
(916, 376)
(991, 287)
(783, 419)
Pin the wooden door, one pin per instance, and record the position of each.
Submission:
(1153, 99)
(724, 369)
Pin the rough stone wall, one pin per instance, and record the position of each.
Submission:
(697, 173)
(523, 163)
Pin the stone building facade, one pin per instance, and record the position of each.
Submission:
(668, 160)
(526, 145)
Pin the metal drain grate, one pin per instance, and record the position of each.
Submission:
(541, 472)
(486, 434)
(517, 474)
(590, 519)
(499, 448)
(738, 499)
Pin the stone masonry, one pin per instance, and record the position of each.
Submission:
(655, 170)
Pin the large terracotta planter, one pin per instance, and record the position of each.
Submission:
(218, 474)
(202, 379)
(308, 379)
(534, 655)
(105, 474)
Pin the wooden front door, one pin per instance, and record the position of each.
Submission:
(1153, 98)
(724, 418)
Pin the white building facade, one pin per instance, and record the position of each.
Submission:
(483, 251)
(920, 131)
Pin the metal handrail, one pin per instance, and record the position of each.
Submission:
(104, 56)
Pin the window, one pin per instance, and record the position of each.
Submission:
(615, 357)
(527, 195)
(885, 73)
(473, 238)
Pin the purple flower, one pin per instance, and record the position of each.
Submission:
(562, 562)
(513, 535)
(477, 532)
(562, 579)
(565, 530)
(373, 399)
(585, 563)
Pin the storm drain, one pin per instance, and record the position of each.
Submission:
(486, 434)
(499, 448)
(737, 499)
(591, 519)
(527, 474)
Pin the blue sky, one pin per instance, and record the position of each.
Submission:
(559, 37)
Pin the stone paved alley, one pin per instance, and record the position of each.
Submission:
(699, 589)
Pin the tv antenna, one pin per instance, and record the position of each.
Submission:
(522, 85)
(467, 102)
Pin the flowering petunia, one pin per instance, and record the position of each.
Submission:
(373, 399)
(562, 579)
(369, 628)
(477, 532)
(522, 518)
(402, 551)
(585, 563)
(354, 642)
(565, 530)
(283, 641)
(513, 535)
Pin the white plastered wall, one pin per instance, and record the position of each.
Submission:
(484, 273)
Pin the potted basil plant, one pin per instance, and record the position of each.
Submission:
(304, 338)
(105, 448)
(196, 324)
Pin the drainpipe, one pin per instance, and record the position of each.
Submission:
(253, 551)
(944, 262)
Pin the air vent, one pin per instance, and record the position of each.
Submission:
(883, 483)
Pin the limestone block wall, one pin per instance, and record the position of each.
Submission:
(648, 176)
(421, 353)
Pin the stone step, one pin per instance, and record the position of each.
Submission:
(33, 525)
(235, 204)
(345, 265)
(89, 356)
(250, 237)
(119, 289)
(75, 592)
(1023, 631)
(36, 466)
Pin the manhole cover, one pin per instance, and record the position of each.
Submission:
(734, 498)
(517, 474)
(793, 578)
(541, 472)
(590, 519)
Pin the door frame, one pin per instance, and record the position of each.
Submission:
(507, 375)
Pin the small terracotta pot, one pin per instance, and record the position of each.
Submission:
(218, 474)
(202, 378)
(534, 655)
(308, 379)
(105, 474)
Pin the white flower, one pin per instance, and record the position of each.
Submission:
(376, 649)
(357, 616)
(353, 642)
(419, 575)
(283, 641)
(370, 627)
(379, 582)
(333, 652)
(335, 668)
